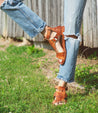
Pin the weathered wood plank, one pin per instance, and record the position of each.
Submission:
(0, 22)
(62, 12)
(90, 24)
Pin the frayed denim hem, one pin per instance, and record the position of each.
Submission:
(78, 35)
(65, 80)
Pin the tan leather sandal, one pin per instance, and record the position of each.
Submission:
(60, 96)
(59, 30)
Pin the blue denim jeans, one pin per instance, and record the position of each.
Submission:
(32, 24)
(73, 12)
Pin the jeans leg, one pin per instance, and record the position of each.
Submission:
(73, 11)
(30, 22)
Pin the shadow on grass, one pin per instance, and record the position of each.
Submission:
(84, 94)
(87, 76)
(92, 80)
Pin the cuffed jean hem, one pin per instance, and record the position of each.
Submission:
(30, 22)
(41, 28)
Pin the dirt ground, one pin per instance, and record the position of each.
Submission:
(49, 64)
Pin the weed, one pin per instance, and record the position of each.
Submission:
(35, 52)
(83, 75)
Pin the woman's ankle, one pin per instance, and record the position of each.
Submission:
(62, 83)
(44, 31)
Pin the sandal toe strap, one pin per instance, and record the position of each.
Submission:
(59, 97)
(60, 55)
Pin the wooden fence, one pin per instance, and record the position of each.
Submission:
(52, 12)
(90, 24)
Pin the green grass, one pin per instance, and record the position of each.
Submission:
(87, 75)
(24, 88)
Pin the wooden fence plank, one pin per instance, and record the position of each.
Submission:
(90, 24)
(0, 22)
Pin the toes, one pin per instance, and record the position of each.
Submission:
(60, 60)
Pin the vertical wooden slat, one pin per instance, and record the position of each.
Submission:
(95, 19)
(0, 22)
(62, 12)
(5, 26)
(47, 12)
(26, 2)
(90, 24)
(54, 12)
(43, 4)
(50, 16)
(58, 12)
(10, 27)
